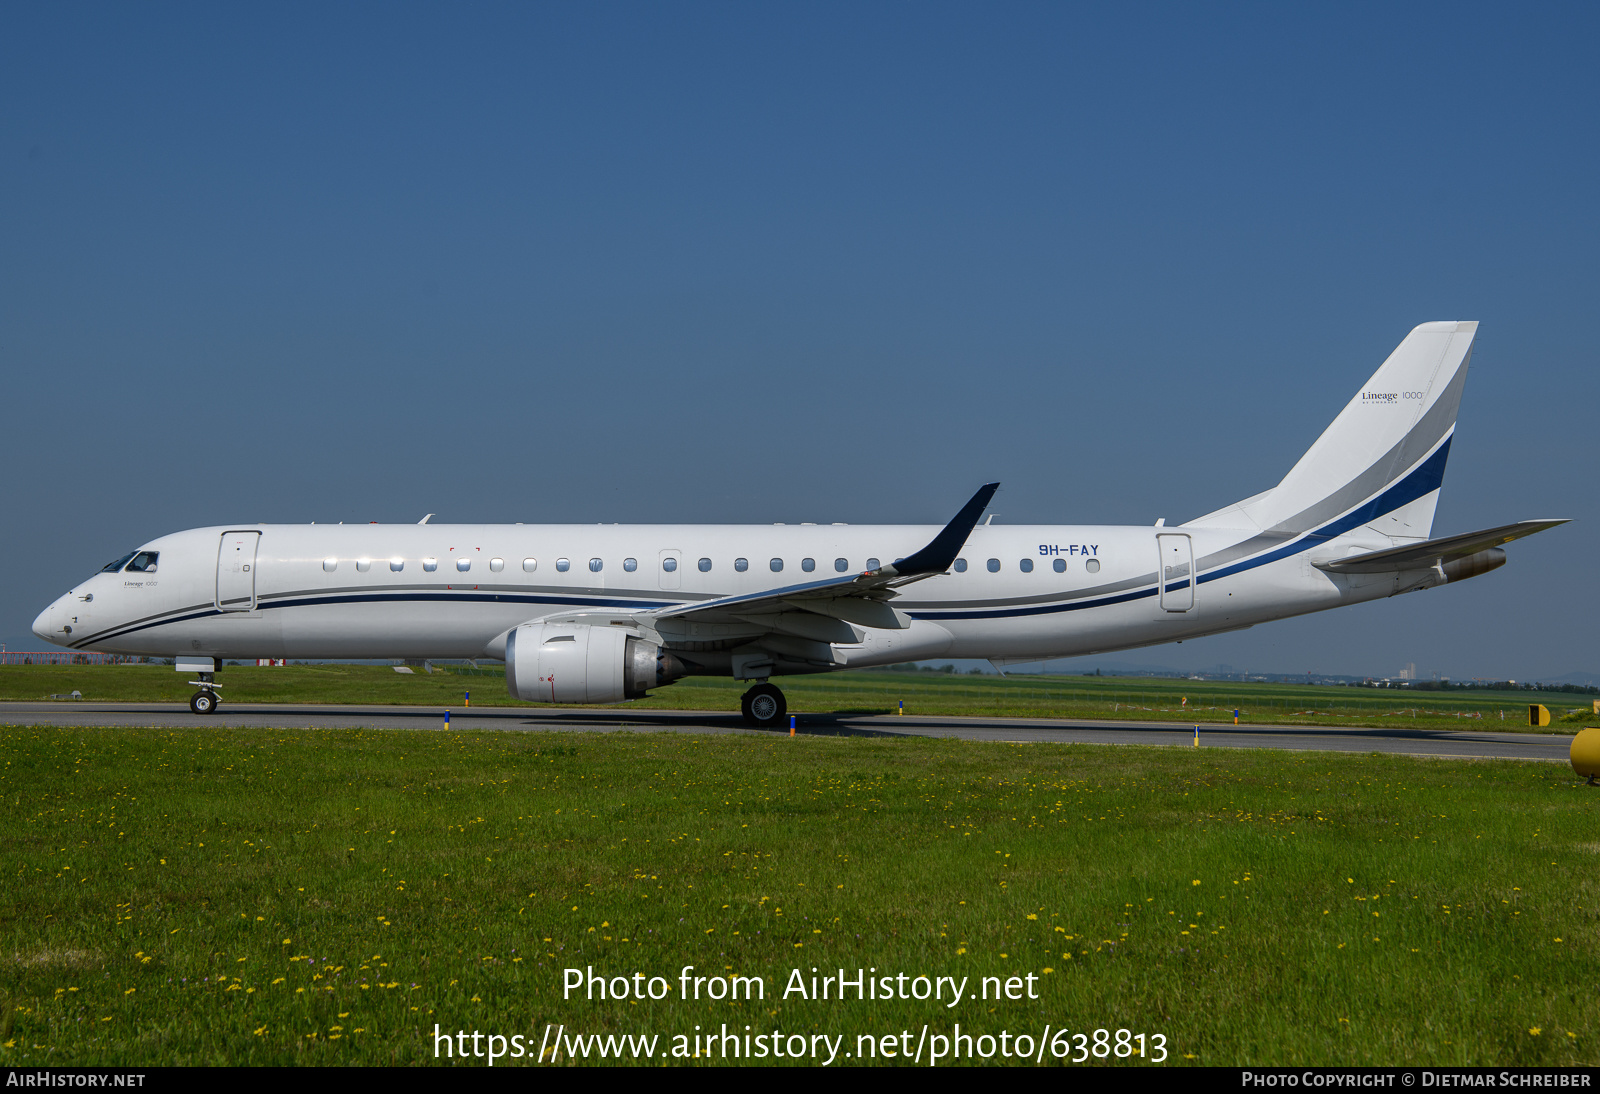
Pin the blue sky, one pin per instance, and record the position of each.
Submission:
(749, 263)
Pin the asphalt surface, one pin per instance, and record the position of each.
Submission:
(1471, 744)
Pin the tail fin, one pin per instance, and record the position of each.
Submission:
(1380, 463)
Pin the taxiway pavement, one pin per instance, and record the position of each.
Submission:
(1463, 743)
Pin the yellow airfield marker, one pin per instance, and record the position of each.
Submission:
(1585, 753)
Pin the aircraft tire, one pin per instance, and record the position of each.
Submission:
(764, 706)
(203, 702)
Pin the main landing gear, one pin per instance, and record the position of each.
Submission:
(764, 706)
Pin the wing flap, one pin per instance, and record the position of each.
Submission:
(859, 610)
(818, 628)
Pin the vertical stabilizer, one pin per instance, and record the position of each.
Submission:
(1380, 463)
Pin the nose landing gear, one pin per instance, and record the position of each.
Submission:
(764, 706)
(206, 699)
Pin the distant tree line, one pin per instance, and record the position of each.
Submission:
(1481, 685)
(912, 666)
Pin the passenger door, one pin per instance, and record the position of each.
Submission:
(1175, 576)
(236, 571)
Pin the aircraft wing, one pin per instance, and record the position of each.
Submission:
(1421, 556)
(861, 599)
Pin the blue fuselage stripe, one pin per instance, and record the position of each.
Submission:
(265, 604)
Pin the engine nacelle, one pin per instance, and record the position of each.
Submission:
(579, 663)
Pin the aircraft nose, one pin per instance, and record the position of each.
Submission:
(48, 625)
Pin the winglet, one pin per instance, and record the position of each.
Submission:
(937, 556)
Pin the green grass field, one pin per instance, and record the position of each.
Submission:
(327, 897)
(857, 692)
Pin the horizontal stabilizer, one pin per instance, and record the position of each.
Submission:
(1421, 556)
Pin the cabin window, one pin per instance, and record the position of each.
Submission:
(595, 565)
(529, 565)
(841, 564)
(669, 564)
(776, 565)
(630, 564)
(463, 564)
(872, 564)
(144, 562)
(330, 564)
(114, 567)
(961, 565)
(496, 565)
(562, 565)
(1059, 565)
(705, 565)
(741, 564)
(397, 564)
(994, 565)
(1093, 565)
(808, 564)
(363, 565)
(428, 565)
(1026, 565)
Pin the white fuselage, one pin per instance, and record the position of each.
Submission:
(612, 610)
(368, 591)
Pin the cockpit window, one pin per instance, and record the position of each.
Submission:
(113, 567)
(144, 562)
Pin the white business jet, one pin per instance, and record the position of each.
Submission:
(604, 613)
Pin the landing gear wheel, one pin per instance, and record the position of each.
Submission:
(203, 702)
(764, 706)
